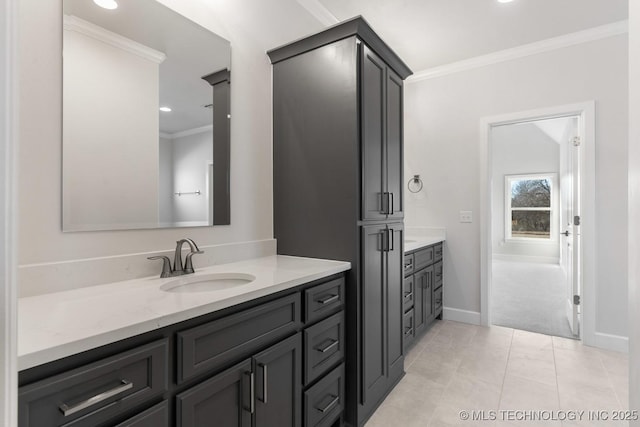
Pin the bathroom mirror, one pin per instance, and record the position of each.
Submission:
(145, 117)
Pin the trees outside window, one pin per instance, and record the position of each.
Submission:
(530, 206)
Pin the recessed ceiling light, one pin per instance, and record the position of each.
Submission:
(505, 1)
(165, 109)
(106, 4)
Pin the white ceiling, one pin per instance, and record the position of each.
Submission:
(431, 33)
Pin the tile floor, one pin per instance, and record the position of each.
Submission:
(459, 367)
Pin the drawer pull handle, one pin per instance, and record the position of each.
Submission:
(70, 410)
(331, 404)
(329, 299)
(264, 382)
(329, 347)
(252, 392)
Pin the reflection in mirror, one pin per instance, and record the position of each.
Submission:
(145, 119)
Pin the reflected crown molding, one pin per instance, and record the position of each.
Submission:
(73, 23)
(194, 131)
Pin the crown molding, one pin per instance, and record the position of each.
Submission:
(188, 132)
(321, 13)
(585, 36)
(73, 23)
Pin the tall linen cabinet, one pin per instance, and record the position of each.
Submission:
(338, 187)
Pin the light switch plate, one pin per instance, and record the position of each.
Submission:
(466, 216)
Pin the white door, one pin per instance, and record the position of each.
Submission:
(570, 223)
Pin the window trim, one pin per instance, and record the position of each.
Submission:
(553, 209)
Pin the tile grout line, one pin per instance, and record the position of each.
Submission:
(555, 368)
(505, 370)
(613, 386)
(443, 392)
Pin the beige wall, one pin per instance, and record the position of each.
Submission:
(442, 140)
(634, 207)
(110, 172)
(40, 100)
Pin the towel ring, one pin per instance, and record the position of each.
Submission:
(415, 184)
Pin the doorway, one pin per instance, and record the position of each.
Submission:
(533, 230)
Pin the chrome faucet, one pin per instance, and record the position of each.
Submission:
(178, 268)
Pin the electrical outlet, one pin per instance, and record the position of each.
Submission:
(466, 216)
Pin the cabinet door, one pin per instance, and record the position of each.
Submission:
(374, 313)
(374, 196)
(395, 302)
(420, 284)
(224, 399)
(157, 416)
(394, 151)
(278, 379)
(427, 296)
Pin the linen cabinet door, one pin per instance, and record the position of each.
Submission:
(395, 300)
(278, 382)
(394, 145)
(375, 199)
(225, 400)
(374, 315)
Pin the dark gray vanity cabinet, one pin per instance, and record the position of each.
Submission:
(338, 193)
(274, 361)
(225, 398)
(423, 269)
(272, 377)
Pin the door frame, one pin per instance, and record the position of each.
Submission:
(586, 111)
(8, 215)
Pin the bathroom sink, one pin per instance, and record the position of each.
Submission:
(207, 282)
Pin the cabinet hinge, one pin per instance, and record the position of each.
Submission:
(576, 299)
(576, 220)
(577, 141)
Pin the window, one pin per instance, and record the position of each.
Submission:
(530, 207)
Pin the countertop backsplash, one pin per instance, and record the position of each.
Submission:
(44, 278)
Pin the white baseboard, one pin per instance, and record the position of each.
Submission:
(463, 316)
(611, 342)
(526, 258)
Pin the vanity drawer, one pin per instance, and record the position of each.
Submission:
(324, 402)
(408, 264)
(323, 346)
(222, 341)
(408, 294)
(437, 252)
(323, 299)
(423, 258)
(95, 393)
(156, 416)
(408, 328)
(437, 273)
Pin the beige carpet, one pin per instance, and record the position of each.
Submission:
(529, 296)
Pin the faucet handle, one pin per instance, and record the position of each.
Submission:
(166, 265)
(188, 264)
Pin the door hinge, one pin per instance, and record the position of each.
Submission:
(577, 141)
(576, 299)
(576, 220)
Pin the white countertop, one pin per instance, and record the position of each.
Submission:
(411, 243)
(57, 325)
